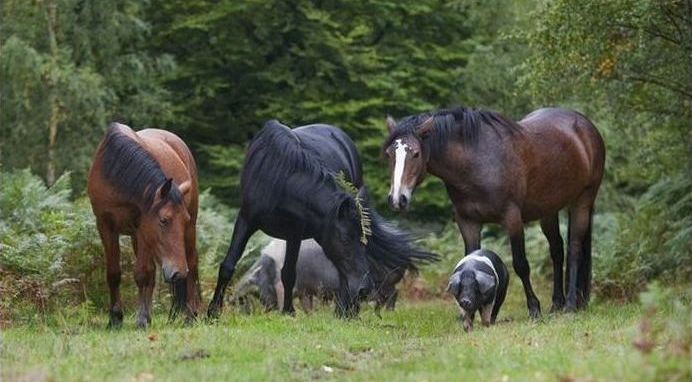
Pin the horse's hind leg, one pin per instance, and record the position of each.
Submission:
(551, 229)
(288, 274)
(241, 233)
(145, 277)
(584, 272)
(515, 228)
(111, 247)
(579, 221)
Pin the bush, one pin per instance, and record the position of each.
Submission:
(653, 241)
(51, 255)
(46, 241)
(664, 336)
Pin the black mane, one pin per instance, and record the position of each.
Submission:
(276, 152)
(132, 170)
(461, 122)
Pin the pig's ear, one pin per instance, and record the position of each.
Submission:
(255, 272)
(453, 286)
(485, 282)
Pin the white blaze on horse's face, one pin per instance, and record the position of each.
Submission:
(399, 192)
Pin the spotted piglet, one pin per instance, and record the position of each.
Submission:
(479, 283)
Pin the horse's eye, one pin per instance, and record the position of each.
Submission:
(416, 154)
(163, 222)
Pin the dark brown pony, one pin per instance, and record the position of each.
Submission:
(499, 171)
(144, 184)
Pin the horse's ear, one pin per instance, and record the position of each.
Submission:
(426, 127)
(391, 124)
(166, 188)
(185, 187)
(347, 209)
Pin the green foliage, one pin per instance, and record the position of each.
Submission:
(625, 61)
(47, 242)
(344, 63)
(51, 255)
(664, 338)
(652, 242)
(214, 229)
(75, 66)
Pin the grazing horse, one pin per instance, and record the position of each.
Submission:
(292, 189)
(144, 184)
(499, 171)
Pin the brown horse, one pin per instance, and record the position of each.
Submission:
(144, 184)
(499, 171)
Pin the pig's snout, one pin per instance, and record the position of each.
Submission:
(465, 303)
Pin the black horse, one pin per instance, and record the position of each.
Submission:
(292, 188)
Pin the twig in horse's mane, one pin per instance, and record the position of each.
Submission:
(365, 221)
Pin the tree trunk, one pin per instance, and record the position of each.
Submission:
(54, 118)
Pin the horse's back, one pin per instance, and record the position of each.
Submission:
(161, 142)
(334, 147)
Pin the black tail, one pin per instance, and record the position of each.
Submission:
(390, 248)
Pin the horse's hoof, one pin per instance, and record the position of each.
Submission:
(535, 314)
(115, 319)
(213, 312)
(114, 325)
(570, 308)
(556, 308)
(141, 323)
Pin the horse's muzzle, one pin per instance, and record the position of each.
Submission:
(171, 276)
(400, 203)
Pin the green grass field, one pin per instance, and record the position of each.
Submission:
(420, 341)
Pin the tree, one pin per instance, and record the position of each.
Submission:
(68, 67)
(344, 63)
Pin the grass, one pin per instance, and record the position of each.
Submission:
(417, 342)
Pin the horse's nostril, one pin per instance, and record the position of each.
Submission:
(390, 200)
(403, 201)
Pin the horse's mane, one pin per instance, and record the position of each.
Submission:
(461, 122)
(274, 154)
(133, 172)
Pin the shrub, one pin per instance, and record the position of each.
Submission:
(46, 241)
(51, 255)
(653, 241)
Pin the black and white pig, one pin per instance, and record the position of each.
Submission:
(479, 283)
(316, 276)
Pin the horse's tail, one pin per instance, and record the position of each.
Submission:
(390, 248)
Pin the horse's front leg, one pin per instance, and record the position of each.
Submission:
(470, 232)
(288, 274)
(241, 233)
(111, 247)
(346, 304)
(515, 228)
(145, 277)
(193, 289)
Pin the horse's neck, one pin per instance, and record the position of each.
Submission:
(468, 168)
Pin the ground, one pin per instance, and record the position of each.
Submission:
(419, 341)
